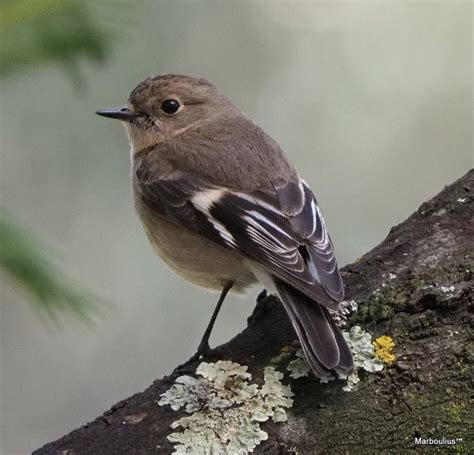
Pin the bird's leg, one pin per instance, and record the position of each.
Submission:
(203, 347)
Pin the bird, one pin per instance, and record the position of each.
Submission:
(225, 209)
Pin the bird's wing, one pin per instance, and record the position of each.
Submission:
(281, 227)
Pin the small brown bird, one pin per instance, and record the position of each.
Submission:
(224, 208)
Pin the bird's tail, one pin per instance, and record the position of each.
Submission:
(323, 344)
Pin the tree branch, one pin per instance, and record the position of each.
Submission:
(416, 287)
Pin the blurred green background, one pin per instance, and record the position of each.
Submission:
(371, 100)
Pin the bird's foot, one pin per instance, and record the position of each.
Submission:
(262, 295)
(203, 351)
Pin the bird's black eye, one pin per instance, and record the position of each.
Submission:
(170, 107)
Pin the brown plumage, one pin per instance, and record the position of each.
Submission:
(223, 206)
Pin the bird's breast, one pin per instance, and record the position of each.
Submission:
(194, 257)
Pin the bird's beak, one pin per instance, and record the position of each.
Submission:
(120, 113)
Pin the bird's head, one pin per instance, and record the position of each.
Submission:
(164, 106)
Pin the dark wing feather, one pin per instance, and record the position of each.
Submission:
(309, 223)
(280, 228)
(323, 343)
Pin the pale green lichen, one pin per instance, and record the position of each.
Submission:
(448, 290)
(226, 408)
(298, 367)
(362, 348)
(360, 343)
(346, 309)
(187, 392)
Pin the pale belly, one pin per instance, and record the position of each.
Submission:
(196, 258)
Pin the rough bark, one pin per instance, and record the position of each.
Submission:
(423, 274)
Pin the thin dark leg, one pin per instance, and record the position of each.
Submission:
(203, 347)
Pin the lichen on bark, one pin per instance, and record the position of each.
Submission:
(226, 408)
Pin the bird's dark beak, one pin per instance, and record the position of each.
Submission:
(120, 113)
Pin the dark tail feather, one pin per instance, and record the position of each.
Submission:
(323, 343)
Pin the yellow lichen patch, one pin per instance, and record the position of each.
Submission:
(384, 347)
